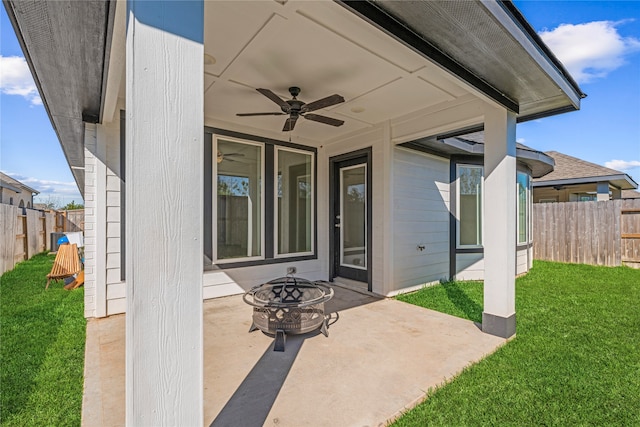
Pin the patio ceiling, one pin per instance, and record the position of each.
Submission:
(388, 59)
(323, 49)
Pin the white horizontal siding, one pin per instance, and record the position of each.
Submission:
(522, 261)
(421, 217)
(470, 267)
(218, 283)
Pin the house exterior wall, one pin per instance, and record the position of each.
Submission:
(471, 266)
(91, 226)
(421, 214)
(374, 139)
(104, 287)
(10, 197)
(417, 184)
(570, 193)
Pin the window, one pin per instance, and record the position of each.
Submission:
(294, 202)
(262, 209)
(522, 180)
(240, 195)
(469, 206)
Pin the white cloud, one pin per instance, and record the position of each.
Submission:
(520, 140)
(622, 165)
(63, 190)
(591, 50)
(16, 79)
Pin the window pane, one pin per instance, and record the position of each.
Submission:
(294, 202)
(239, 214)
(523, 185)
(470, 205)
(353, 216)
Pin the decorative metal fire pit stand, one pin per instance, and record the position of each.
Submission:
(288, 305)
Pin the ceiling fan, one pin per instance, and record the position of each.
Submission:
(227, 156)
(295, 108)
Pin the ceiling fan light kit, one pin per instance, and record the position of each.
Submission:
(295, 108)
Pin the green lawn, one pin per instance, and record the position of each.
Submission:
(575, 360)
(42, 335)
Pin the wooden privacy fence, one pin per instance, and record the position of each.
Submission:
(26, 232)
(597, 233)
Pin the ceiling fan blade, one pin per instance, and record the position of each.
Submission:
(324, 119)
(259, 114)
(275, 98)
(290, 124)
(323, 103)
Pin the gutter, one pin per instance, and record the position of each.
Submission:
(588, 180)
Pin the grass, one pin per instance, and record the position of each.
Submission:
(575, 359)
(42, 335)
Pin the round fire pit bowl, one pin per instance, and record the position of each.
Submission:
(288, 305)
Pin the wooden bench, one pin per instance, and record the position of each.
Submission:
(66, 264)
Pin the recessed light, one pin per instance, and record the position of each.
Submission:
(357, 109)
(209, 60)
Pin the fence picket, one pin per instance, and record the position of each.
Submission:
(587, 232)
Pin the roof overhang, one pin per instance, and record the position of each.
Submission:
(64, 45)
(621, 181)
(10, 187)
(539, 163)
(483, 49)
(522, 74)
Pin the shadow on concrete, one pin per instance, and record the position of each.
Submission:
(344, 299)
(252, 401)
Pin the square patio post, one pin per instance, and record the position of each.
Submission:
(164, 199)
(499, 314)
(602, 191)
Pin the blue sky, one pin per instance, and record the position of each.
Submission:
(598, 41)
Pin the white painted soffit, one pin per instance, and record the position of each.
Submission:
(489, 44)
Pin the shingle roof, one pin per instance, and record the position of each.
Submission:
(570, 169)
(630, 194)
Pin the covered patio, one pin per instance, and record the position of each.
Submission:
(150, 98)
(380, 358)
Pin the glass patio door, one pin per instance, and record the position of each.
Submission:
(351, 218)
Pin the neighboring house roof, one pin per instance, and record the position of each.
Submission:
(473, 144)
(571, 170)
(630, 194)
(487, 44)
(14, 185)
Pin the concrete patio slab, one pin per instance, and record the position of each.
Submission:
(380, 358)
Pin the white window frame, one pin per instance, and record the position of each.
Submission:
(366, 224)
(528, 207)
(276, 224)
(214, 203)
(480, 208)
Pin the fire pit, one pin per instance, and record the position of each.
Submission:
(288, 305)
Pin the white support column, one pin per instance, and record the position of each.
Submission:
(95, 223)
(164, 133)
(616, 193)
(603, 191)
(498, 317)
(389, 211)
